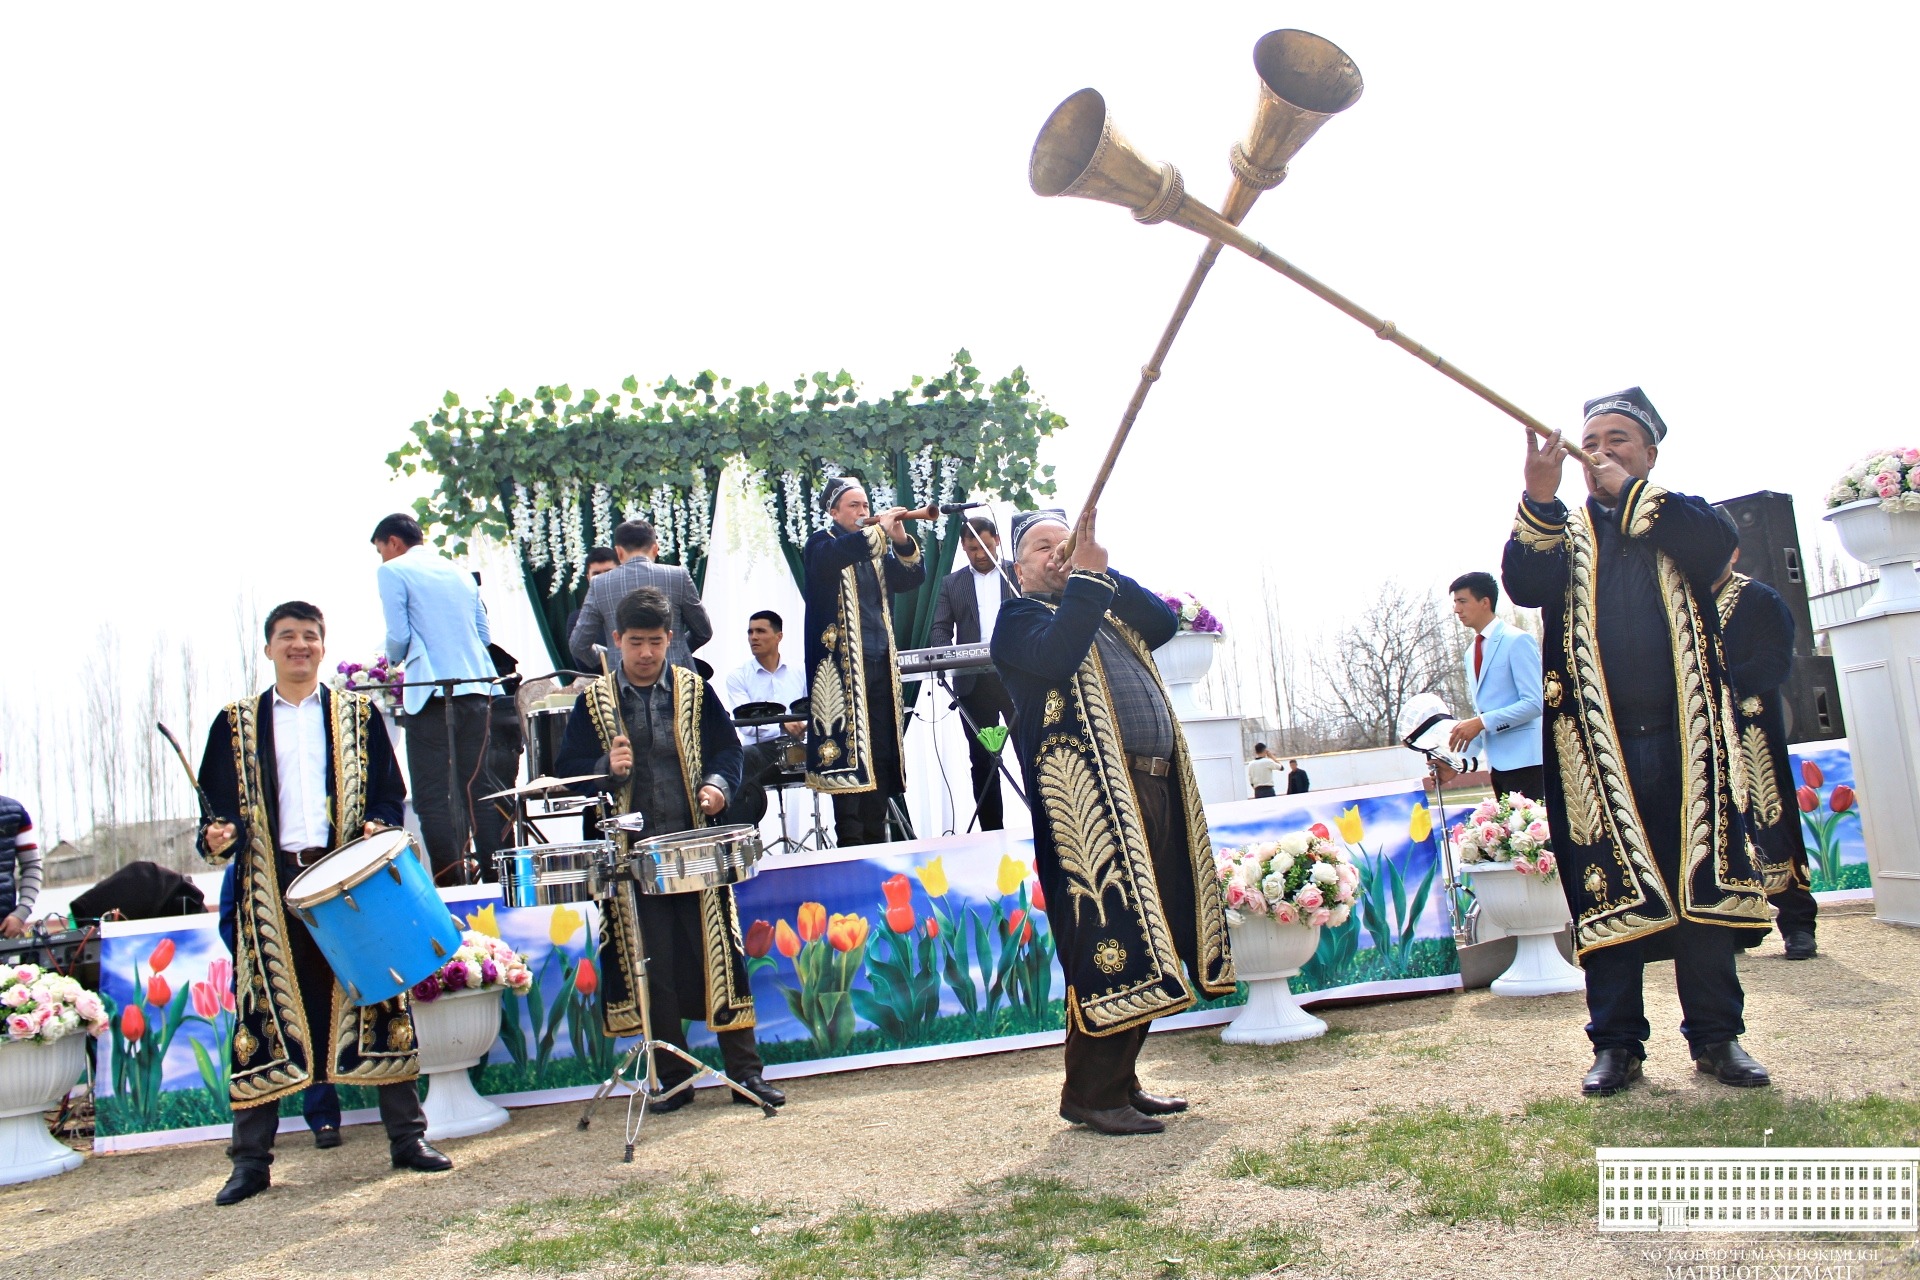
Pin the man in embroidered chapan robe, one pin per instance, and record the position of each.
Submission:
(1756, 632)
(291, 775)
(658, 733)
(1645, 782)
(1119, 835)
(853, 678)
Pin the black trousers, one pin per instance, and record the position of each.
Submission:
(1798, 910)
(1530, 781)
(446, 809)
(1711, 1001)
(254, 1128)
(861, 818)
(1261, 793)
(1101, 1071)
(987, 704)
(670, 930)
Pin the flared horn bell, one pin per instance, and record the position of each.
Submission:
(1080, 153)
(1305, 80)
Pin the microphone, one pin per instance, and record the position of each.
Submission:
(955, 508)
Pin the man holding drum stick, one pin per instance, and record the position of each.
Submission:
(279, 771)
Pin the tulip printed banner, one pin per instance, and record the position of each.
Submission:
(859, 957)
(1830, 819)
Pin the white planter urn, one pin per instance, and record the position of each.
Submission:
(1184, 662)
(1265, 955)
(33, 1079)
(1531, 910)
(455, 1033)
(1888, 540)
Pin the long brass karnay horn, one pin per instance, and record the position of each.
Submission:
(1304, 80)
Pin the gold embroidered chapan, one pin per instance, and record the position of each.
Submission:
(841, 728)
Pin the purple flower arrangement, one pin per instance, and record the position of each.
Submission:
(1193, 615)
(376, 679)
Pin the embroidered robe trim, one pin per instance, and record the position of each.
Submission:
(840, 753)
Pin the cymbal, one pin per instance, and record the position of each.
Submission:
(541, 786)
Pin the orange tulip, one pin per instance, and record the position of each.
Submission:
(900, 919)
(786, 940)
(847, 932)
(899, 891)
(586, 979)
(159, 994)
(162, 955)
(1811, 775)
(133, 1023)
(1841, 798)
(811, 921)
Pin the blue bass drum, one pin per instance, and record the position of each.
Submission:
(374, 913)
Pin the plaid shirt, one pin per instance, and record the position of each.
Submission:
(1139, 708)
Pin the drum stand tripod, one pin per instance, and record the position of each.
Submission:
(645, 1088)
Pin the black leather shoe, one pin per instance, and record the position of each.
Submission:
(1801, 946)
(327, 1137)
(1730, 1064)
(1115, 1121)
(760, 1089)
(1154, 1104)
(659, 1104)
(244, 1184)
(421, 1158)
(1612, 1071)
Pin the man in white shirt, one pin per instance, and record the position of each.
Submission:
(1503, 670)
(1263, 772)
(765, 678)
(967, 607)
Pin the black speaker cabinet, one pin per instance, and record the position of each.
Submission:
(1770, 552)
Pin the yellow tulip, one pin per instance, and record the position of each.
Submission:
(1351, 829)
(563, 924)
(482, 921)
(1420, 824)
(933, 878)
(1013, 874)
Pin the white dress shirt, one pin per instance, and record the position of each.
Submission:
(986, 596)
(300, 752)
(751, 682)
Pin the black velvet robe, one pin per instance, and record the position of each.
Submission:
(1756, 630)
(842, 723)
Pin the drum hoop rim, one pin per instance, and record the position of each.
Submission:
(366, 873)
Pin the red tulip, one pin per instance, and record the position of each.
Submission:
(786, 940)
(1811, 775)
(811, 921)
(900, 919)
(933, 926)
(1320, 829)
(1039, 897)
(1841, 798)
(759, 938)
(206, 1002)
(159, 994)
(1809, 799)
(1015, 920)
(133, 1023)
(162, 955)
(899, 891)
(586, 980)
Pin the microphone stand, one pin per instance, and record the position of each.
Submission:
(1436, 760)
(456, 790)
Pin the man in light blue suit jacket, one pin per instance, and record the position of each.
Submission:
(1503, 670)
(438, 627)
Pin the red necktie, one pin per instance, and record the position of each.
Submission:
(1479, 650)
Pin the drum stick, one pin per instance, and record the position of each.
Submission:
(206, 810)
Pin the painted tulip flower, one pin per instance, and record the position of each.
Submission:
(1039, 895)
(1811, 775)
(484, 921)
(898, 891)
(1809, 799)
(933, 926)
(1017, 923)
(759, 939)
(811, 921)
(1841, 798)
(933, 878)
(1351, 828)
(786, 940)
(1419, 824)
(162, 955)
(586, 979)
(133, 1023)
(1320, 829)
(206, 1003)
(847, 932)
(159, 994)
(563, 924)
(1012, 875)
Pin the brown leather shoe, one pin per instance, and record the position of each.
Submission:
(1154, 1104)
(1116, 1121)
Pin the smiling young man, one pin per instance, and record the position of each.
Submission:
(1503, 671)
(1645, 783)
(291, 775)
(657, 732)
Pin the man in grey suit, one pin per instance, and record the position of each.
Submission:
(968, 606)
(635, 544)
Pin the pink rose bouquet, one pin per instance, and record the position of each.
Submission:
(1509, 828)
(1891, 475)
(480, 961)
(42, 1006)
(1301, 878)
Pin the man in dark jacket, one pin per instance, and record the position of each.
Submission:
(968, 606)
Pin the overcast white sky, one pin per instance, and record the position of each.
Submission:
(247, 246)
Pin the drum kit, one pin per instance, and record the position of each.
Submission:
(791, 751)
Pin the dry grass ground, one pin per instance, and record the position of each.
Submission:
(942, 1140)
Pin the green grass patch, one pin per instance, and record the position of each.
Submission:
(1459, 1164)
(1020, 1226)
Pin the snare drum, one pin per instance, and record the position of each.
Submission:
(373, 912)
(548, 874)
(689, 861)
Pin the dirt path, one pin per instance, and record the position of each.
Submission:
(1847, 1023)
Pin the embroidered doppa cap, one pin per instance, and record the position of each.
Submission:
(1631, 403)
(1024, 522)
(831, 491)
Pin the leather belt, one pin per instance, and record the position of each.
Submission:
(1152, 766)
(304, 858)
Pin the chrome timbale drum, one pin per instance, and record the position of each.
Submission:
(689, 861)
(548, 874)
